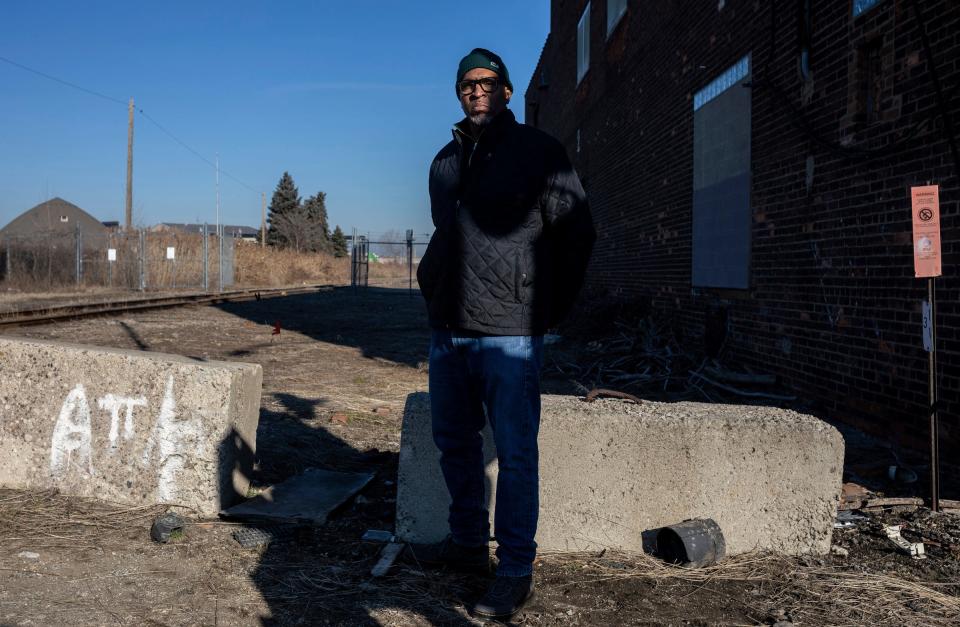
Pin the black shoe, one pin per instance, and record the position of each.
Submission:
(505, 597)
(449, 554)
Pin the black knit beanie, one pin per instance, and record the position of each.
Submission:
(480, 57)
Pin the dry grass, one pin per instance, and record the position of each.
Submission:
(273, 267)
(43, 519)
(38, 266)
(817, 595)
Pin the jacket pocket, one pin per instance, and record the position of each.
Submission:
(519, 278)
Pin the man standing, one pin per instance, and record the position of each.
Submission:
(512, 241)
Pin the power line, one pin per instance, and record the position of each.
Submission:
(63, 82)
(139, 110)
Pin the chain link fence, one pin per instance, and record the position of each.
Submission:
(141, 260)
(389, 261)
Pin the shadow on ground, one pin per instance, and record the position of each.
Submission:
(321, 575)
(383, 323)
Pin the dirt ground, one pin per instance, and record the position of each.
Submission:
(335, 383)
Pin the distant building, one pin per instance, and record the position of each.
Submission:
(245, 233)
(55, 219)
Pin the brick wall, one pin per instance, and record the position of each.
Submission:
(833, 307)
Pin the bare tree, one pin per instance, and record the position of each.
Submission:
(299, 230)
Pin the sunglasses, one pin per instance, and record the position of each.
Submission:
(488, 84)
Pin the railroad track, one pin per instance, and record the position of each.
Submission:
(84, 310)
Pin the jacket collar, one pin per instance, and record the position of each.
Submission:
(461, 130)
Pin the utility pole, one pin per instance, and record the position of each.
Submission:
(129, 217)
(219, 232)
(263, 219)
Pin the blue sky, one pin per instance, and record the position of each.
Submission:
(352, 98)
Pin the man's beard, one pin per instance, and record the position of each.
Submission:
(481, 119)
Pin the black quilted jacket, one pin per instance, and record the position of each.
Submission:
(513, 232)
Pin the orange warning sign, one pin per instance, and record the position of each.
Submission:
(926, 230)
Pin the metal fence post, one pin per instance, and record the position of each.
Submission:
(8, 263)
(353, 259)
(220, 256)
(206, 253)
(410, 260)
(143, 261)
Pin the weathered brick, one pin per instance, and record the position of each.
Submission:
(831, 268)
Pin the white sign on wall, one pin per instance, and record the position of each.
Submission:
(171, 252)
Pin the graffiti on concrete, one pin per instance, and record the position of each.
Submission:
(72, 437)
(171, 440)
(114, 404)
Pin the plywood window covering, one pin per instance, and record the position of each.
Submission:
(583, 44)
(615, 10)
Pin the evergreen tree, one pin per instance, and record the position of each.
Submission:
(316, 215)
(339, 242)
(284, 207)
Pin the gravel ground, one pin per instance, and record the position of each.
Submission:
(335, 383)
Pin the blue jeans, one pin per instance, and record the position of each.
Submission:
(474, 378)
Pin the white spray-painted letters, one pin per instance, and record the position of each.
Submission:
(172, 439)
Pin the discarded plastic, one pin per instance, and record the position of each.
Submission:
(387, 557)
(377, 535)
(901, 474)
(847, 519)
(692, 543)
(28, 555)
(165, 526)
(913, 549)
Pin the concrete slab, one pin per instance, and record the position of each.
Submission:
(306, 498)
(611, 470)
(127, 426)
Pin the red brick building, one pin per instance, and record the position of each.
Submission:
(751, 162)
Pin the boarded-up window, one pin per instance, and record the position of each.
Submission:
(721, 181)
(615, 11)
(583, 44)
(862, 6)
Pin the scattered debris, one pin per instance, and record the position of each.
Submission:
(692, 543)
(643, 356)
(387, 557)
(253, 537)
(598, 392)
(28, 555)
(901, 474)
(167, 527)
(846, 519)
(853, 496)
(377, 535)
(913, 549)
(910, 502)
(839, 550)
(739, 392)
(305, 498)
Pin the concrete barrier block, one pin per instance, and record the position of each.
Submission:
(611, 470)
(127, 426)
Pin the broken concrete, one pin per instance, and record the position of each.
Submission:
(127, 426)
(612, 470)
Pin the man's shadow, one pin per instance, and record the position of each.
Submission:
(321, 575)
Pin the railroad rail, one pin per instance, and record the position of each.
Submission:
(86, 310)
